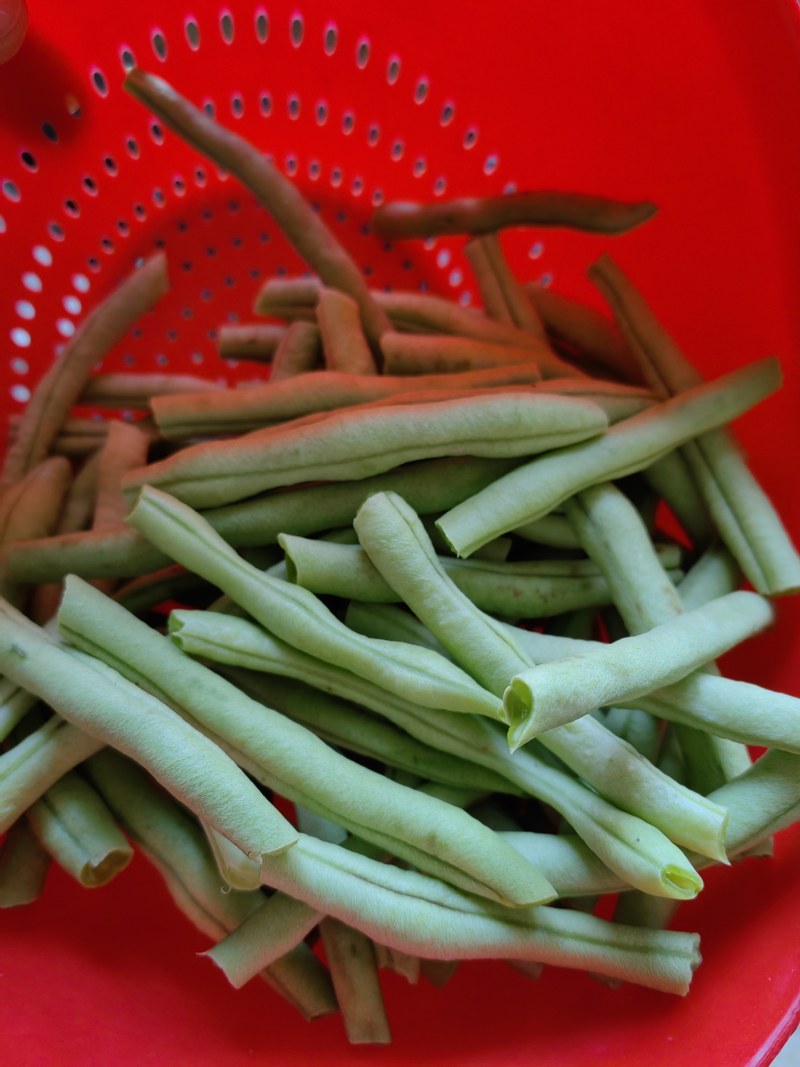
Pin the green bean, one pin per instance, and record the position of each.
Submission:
(395, 540)
(176, 847)
(300, 618)
(502, 296)
(35, 763)
(15, 703)
(305, 230)
(358, 442)
(536, 589)
(493, 299)
(298, 296)
(390, 623)
(133, 391)
(618, 400)
(595, 214)
(354, 970)
(124, 449)
(415, 914)
(416, 353)
(673, 481)
(116, 712)
(552, 530)
(552, 694)
(30, 508)
(535, 488)
(243, 410)
(614, 535)
(253, 340)
(295, 298)
(63, 384)
(344, 345)
(745, 517)
(336, 721)
(299, 352)
(731, 708)
(79, 832)
(585, 331)
(714, 574)
(429, 485)
(23, 866)
(280, 752)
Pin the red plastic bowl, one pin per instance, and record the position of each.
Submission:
(693, 104)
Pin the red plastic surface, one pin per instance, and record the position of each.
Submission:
(693, 104)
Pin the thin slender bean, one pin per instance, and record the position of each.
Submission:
(417, 353)
(746, 518)
(614, 535)
(63, 384)
(714, 574)
(537, 589)
(304, 229)
(242, 410)
(31, 507)
(586, 331)
(336, 721)
(300, 618)
(125, 448)
(595, 214)
(413, 312)
(297, 295)
(534, 489)
(613, 768)
(626, 843)
(673, 481)
(522, 311)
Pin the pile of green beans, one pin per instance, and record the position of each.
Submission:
(389, 654)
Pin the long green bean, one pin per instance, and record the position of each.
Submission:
(414, 913)
(370, 439)
(745, 517)
(537, 487)
(516, 590)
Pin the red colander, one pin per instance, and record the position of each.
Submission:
(691, 104)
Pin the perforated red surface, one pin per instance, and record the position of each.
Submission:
(693, 104)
